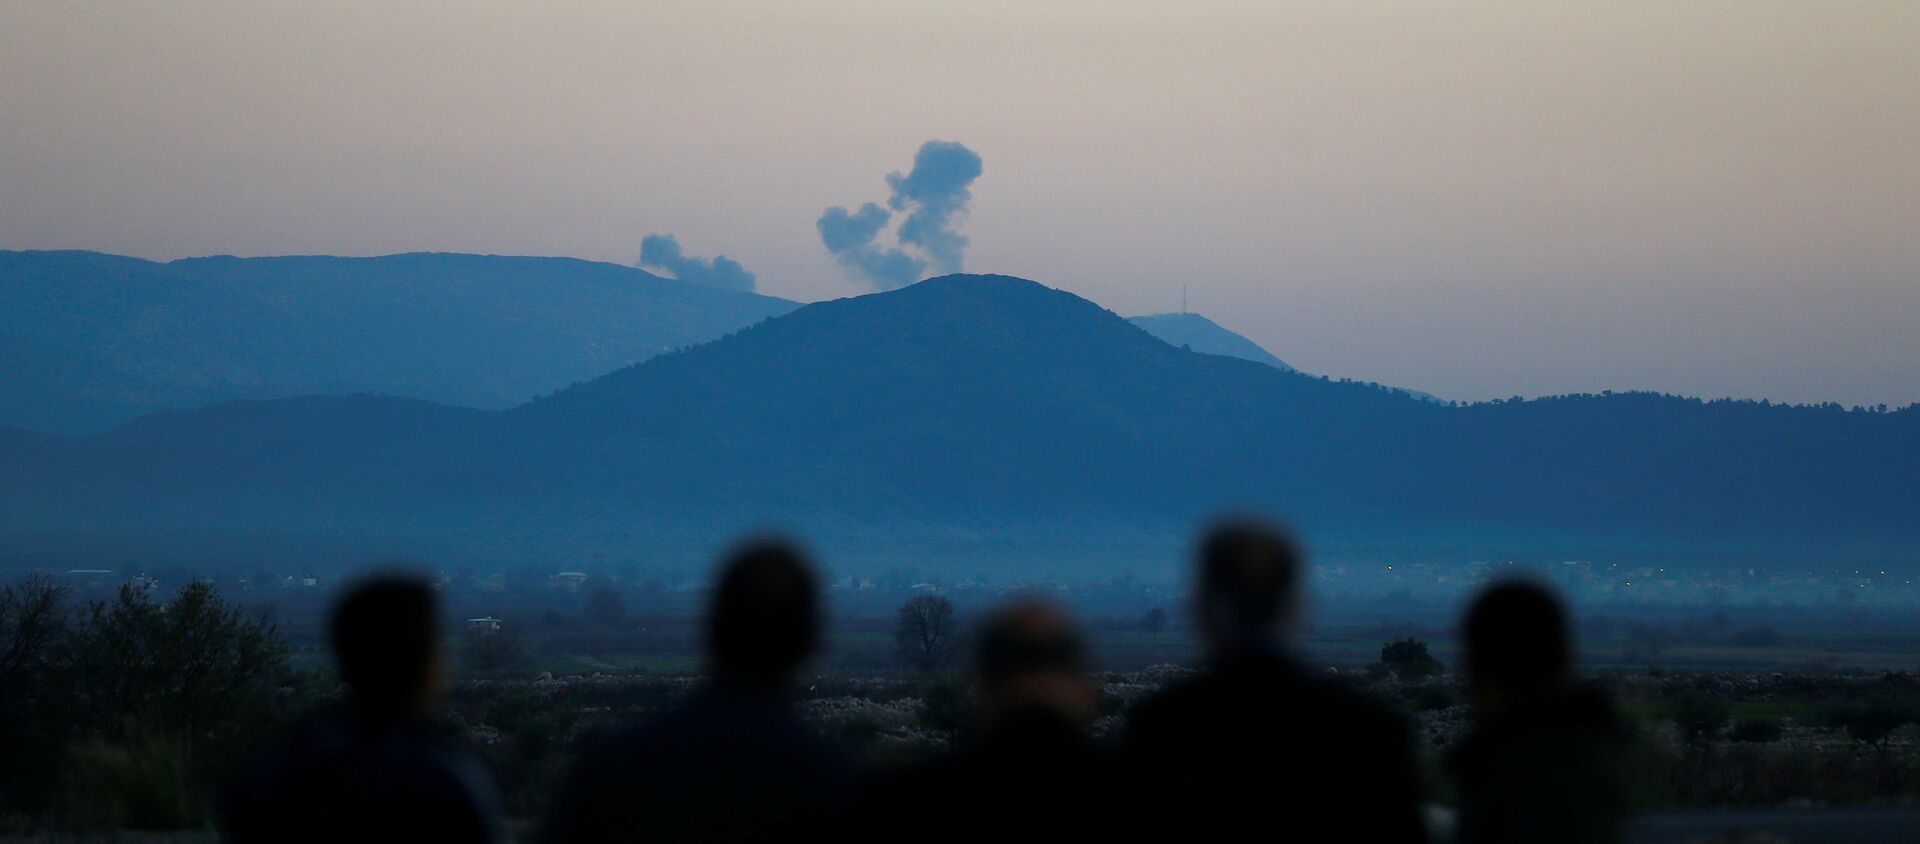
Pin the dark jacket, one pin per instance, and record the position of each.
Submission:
(1256, 743)
(1554, 770)
(344, 777)
(1033, 777)
(730, 763)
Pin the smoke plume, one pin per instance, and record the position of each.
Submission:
(934, 197)
(663, 252)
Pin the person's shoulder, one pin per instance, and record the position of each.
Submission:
(435, 762)
(450, 780)
(1342, 699)
(1171, 709)
(1195, 689)
(1150, 709)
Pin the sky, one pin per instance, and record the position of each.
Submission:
(1474, 199)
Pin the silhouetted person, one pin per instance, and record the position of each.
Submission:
(1546, 761)
(373, 768)
(732, 762)
(1030, 772)
(1257, 746)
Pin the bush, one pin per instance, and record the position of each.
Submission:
(1700, 715)
(1409, 658)
(496, 652)
(1433, 698)
(142, 782)
(859, 729)
(1871, 722)
(944, 705)
(1755, 730)
(184, 666)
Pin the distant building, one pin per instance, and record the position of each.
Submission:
(485, 624)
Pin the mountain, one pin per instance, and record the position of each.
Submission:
(93, 340)
(989, 406)
(1195, 332)
(1205, 336)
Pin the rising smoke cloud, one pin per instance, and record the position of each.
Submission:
(934, 196)
(663, 252)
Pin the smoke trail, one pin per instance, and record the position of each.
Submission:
(934, 195)
(663, 251)
(849, 236)
(937, 192)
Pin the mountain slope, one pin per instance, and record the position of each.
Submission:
(95, 340)
(992, 406)
(1195, 332)
(1203, 335)
(981, 395)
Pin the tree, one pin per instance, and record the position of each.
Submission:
(178, 667)
(495, 651)
(1409, 658)
(604, 607)
(1154, 621)
(31, 624)
(156, 702)
(924, 631)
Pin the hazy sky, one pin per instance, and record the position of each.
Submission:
(1473, 199)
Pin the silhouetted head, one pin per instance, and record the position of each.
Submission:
(1031, 656)
(386, 639)
(1248, 582)
(765, 617)
(1517, 644)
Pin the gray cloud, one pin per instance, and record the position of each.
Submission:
(663, 251)
(934, 195)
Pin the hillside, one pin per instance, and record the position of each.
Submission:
(1205, 336)
(1197, 333)
(94, 340)
(977, 406)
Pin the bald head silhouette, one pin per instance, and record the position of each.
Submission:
(1248, 583)
(385, 633)
(1517, 643)
(1031, 655)
(765, 617)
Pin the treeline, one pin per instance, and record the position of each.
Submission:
(1695, 400)
(128, 712)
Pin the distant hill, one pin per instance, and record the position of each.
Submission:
(1195, 332)
(987, 406)
(1203, 335)
(92, 340)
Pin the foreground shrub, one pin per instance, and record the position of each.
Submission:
(1755, 731)
(140, 782)
(1409, 659)
(1700, 715)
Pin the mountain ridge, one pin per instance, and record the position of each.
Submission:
(98, 339)
(984, 405)
(1203, 335)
